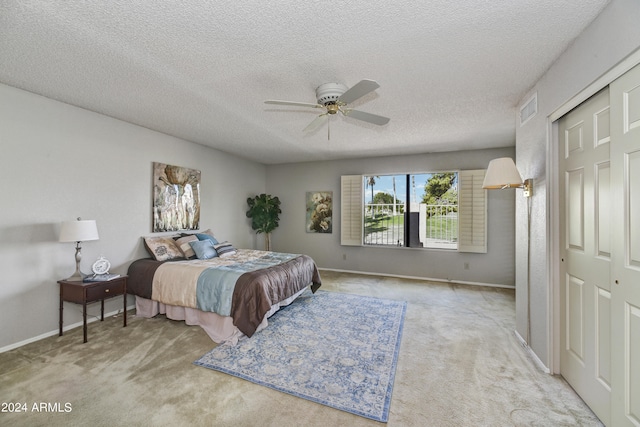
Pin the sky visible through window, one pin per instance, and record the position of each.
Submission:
(385, 184)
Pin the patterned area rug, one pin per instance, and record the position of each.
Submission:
(339, 350)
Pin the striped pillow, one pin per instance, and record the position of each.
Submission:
(224, 249)
(185, 247)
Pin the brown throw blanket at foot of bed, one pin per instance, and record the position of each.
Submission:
(257, 291)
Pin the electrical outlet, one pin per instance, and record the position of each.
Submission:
(466, 265)
(344, 257)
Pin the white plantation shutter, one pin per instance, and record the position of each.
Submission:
(351, 210)
(472, 212)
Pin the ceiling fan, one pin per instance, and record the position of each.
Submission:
(334, 97)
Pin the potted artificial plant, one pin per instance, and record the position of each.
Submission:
(264, 211)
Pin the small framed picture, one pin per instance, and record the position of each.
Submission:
(319, 212)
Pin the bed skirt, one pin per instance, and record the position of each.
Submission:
(219, 328)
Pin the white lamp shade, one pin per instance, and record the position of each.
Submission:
(79, 231)
(502, 173)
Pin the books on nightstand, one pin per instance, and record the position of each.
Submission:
(101, 277)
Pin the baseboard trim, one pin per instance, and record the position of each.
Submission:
(64, 329)
(531, 353)
(400, 276)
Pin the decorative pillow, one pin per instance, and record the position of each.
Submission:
(207, 231)
(224, 249)
(185, 247)
(206, 236)
(162, 248)
(203, 249)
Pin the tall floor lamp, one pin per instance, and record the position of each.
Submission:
(78, 231)
(502, 173)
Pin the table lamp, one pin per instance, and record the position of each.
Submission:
(78, 231)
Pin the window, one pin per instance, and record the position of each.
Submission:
(444, 210)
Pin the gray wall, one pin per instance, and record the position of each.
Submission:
(609, 39)
(291, 182)
(58, 162)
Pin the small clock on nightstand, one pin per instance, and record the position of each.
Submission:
(101, 266)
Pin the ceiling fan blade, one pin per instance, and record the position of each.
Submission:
(358, 90)
(316, 123)
(298, 104)
(367, 117)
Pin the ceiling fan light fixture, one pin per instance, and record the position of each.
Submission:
(332, 107)
(329, 92)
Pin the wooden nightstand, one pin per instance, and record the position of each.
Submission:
(88, 292)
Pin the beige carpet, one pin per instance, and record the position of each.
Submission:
(459, 365)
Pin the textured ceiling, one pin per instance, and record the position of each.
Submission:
(451, 72)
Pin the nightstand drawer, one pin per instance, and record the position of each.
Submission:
(105, 290)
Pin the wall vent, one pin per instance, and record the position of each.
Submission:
(529, 109)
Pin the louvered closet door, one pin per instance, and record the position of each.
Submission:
(625, 178)
(585, 292)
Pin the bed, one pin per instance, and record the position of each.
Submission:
(229, 296)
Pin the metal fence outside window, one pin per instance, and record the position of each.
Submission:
(384, 224)
(441, 224)
(438, 225)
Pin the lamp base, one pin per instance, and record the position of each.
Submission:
(77, 276)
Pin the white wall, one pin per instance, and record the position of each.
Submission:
(291, 182)
(58, 162)
(610, 38)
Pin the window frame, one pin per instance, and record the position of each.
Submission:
(472, 211)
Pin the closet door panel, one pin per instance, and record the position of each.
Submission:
(625, 248)
(586, 223)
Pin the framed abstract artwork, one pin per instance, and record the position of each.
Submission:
(176, 198)
(319, 207)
